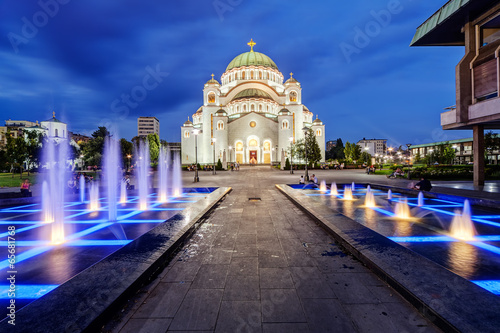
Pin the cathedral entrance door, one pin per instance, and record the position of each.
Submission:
(253, 156)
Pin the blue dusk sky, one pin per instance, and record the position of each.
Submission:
(82, 58)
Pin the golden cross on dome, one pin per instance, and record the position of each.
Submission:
(53, 114)
(251, 44)
(212, 76)
(188, 118)
(291, 75)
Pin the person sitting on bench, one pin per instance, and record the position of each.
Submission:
(25, 188)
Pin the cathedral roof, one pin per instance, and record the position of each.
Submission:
(251, 58)
(188, 123)
(221, 113)
(212, 80)
(252, 93)
(284, 111)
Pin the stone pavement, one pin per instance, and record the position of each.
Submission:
(262, 265)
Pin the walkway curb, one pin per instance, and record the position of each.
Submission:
(451, 302)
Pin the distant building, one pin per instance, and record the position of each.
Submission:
(474, 25)
(15, 129)
(373, 146)
(331, 144)
(463, 150)
(148, 125)
(52, 128)
(79, 138)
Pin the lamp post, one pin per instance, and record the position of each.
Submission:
(408, 145)
(81, 158)
(306, 175)
(195, 133)
(429, 161)
(291, 165)
(276, 157)
(213, 143)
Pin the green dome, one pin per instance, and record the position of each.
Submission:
(252, 93)
(251, 59)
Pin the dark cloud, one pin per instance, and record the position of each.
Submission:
(92, 52)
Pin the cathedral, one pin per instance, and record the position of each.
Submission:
(250, 117)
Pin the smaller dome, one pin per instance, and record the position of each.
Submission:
(252, 93)
(284, 112)
(221, 113)
(188, 123)
(317, 121)
(212, 81)
(291, 79)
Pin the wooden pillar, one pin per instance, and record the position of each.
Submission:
(478, 154)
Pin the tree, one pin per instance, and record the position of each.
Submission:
(339, 150)
(448, 154)
(365, 157)
(352, 151)
(92, 151)
(154, 147)
(33, 140)
(287, 164)
(310, 144)
(491, 143)
(127, 148)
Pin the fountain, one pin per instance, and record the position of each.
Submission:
(353, 186)
(370, 198)
(54, 158)
(94, 197)
(82, 188)
(123, 192)
(176, 175)
(163, 169)
(389, 195)
(112, 175)
(420, 200)
(322, 186)
(333, 189)
(402, 210)
(348, 193)
(143, 173)
(462, 226)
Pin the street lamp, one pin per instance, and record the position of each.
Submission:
(213, 143)
(305, 129)
(195, 133)
(276, 157)
(81, 158)
(129, 157)
(408, 145)
(291, 142)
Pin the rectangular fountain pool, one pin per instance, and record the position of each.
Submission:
(426, 230)
(40, 266)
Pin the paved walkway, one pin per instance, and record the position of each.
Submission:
(264, 266)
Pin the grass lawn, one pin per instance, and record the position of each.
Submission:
(6, 179)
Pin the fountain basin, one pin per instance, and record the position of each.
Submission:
(115, 268)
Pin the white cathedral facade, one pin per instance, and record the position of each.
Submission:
(251, 117)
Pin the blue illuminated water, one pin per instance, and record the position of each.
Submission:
(90, 236)
(426, 232)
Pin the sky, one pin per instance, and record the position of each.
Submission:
(353, 60)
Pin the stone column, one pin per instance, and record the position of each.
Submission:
(478, 154)
(224, 160)
(282, 159)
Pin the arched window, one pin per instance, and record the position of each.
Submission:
(252, 143)
(293, 96)
(267, 146)
(244, 107)
(220, 125)
(239, 146)
(57, 132)
(318, 132)
(267, 108)
(251, 75)
(211, 97)
(260, 107)
(186, 134)
(243, 75)
(237, 108)
(285, 124)
(260, 75)
(252, 107)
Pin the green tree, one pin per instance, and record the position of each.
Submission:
(365, 157)
(352, 151)
(127, 148)
(308, 146)
(218, 166)
(287, 164)
(92, 151)
(33, 148)
(491, 143)
(154, 147)
(448, 154)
